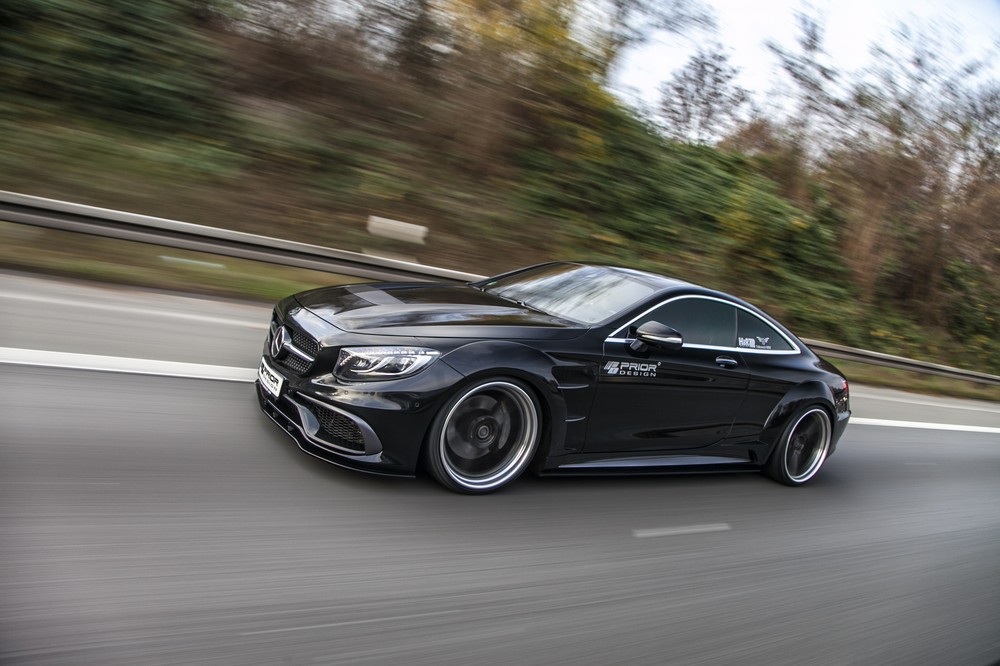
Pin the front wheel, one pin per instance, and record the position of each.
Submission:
(803, 448)
(484, 437)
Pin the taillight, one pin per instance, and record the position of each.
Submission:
(844, 399)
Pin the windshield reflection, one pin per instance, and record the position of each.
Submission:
(584, 294)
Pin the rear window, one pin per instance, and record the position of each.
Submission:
(754, 333)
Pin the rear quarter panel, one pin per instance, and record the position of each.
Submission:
(779, 387)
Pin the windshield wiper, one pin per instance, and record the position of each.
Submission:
(512, 300)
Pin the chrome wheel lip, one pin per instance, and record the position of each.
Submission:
(819, 449)
(521, 451)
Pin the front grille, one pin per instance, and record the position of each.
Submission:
(293, 363)
(301, 341)
(305, 343)
(342, 431)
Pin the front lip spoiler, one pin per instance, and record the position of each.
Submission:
(373, 463)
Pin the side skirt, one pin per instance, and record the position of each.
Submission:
(666, 464)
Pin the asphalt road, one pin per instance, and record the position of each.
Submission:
(160, 520)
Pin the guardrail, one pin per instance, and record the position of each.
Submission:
(66, 216)
(898, 362)
(78, 218)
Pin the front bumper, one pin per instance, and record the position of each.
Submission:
(373, 427)
(376, 427)
(297, 416)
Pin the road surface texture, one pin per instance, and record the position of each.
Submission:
(164, 520)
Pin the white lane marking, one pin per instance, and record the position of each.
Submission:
(886, 423)
(674, 531)
(187, 316)
(141, 366)
(920, 464)
(349, 623)
(866, 395)
(60, 483)
(131, 366)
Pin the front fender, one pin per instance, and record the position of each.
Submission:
(563, 387)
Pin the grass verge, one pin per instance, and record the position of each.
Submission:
(139, 264)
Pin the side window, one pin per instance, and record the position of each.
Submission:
(700, 321)
(755, 333)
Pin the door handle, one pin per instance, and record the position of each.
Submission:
(726, 361)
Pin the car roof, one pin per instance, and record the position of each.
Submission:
(654, 280)
(666, 286)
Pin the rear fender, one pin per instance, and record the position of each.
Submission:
(803, 395)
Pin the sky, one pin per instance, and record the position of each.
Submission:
(852, 26)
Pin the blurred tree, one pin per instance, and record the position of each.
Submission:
(897, 166)
(701, 102)
(903, 156)
(975, 224)
(627, 23)
(816, 80)
(419, 47)
(139, 63)
(285, 20)
(514, 66)
(777, 153)
(408, 36)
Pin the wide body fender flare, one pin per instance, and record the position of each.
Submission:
(564, 388)
(801, 396)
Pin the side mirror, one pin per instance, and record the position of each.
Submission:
(655, 334)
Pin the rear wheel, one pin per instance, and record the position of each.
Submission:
(803, 448)
(484, 437)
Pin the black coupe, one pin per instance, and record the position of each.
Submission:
(562, 368)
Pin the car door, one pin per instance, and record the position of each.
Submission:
(670, 400)
(776, 366)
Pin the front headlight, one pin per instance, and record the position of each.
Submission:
(373, 363)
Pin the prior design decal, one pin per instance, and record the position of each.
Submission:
(755, 343)
(630, 369)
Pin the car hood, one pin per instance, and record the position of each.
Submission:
(432, 310)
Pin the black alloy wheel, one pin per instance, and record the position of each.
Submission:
(803, 448)
(484, 437)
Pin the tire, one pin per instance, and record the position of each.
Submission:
(484, 437)
(802, 449)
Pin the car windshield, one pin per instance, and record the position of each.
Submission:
(584, 294)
